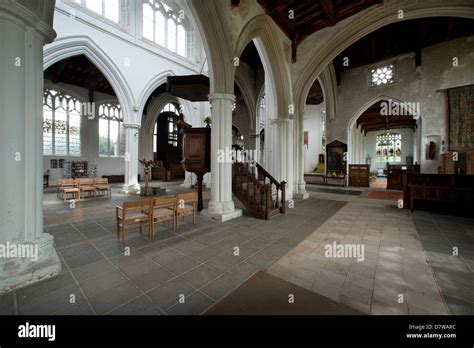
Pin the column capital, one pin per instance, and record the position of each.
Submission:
(280, 120)
(31, 14)
(132, 125)
(225, 96)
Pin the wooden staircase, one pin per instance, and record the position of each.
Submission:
(259, 192)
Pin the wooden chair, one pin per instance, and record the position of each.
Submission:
(86, 185)
(62, 184)
(102, 187)
(163, 209)
(76, 193)
(133, 214)
(185, 205)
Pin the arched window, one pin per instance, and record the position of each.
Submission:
(164, 26)
(111, 131)
(388, 147)
(61, 124)
(109, 9)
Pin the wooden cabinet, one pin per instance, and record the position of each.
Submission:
(431, 191)
(395, 175)
(448, 163)
(359, 175)
(158, 173)
(197, 155)
(336, 159)
(463, 165)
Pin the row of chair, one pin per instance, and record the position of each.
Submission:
(146, 212)
(94, 187)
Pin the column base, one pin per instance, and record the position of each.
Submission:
(18, 272)
(222, 216)
(130, 189)
(303, 195)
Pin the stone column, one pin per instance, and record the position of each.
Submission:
(131, 159)
(283, 149)
(300, 190)
(23, 33)
(221, 207)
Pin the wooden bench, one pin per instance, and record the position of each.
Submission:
(86, 185)
(453, 191)
(186, 205)
(133, 214)
(102, 187)
(163, 210)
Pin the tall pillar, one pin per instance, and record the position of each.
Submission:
(221, 207)
(300, 190)
(23, 33)
(283, 152)
(131, 158)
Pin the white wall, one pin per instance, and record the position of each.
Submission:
(313, 124)
(423, 85)
(241, 120)
(407, 146)
(137, 60)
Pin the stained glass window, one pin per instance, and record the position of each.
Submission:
(61, 124)
(111, 131)
(388, 147)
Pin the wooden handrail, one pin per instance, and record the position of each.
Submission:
(257, 196)
(268, 175)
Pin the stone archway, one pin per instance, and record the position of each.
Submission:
(76, 45)
(356, 141)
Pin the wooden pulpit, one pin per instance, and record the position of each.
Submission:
(196, 155)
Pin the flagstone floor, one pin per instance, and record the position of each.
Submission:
(182, 272)
(408, 265)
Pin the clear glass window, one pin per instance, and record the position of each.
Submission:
(383, 75)
(111, 131)
(61, 124)
(162, 25)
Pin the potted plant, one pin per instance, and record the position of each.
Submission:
(207, 121)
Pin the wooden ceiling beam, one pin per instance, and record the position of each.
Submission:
(329, 11)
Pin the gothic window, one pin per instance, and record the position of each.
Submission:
(61, 124)
(383, 75)
(164, 26)
(388, 148)
(109, 9)
(111, 131)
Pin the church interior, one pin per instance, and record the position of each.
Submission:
(168, 157)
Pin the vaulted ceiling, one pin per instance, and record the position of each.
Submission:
(400, 38)
(375, 118)
(299, 19)
(79, 71)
